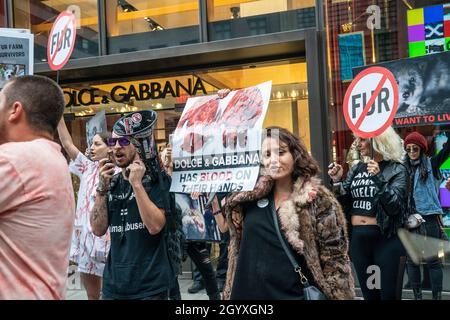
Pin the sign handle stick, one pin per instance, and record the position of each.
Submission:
(57, 76)
(371, 145)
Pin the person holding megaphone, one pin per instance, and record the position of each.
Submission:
(131, 205)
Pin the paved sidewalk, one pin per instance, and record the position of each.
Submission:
(74, 291)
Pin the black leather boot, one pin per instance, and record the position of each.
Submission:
(417, 293)
(437, 295)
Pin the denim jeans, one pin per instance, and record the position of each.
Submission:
(434, 264)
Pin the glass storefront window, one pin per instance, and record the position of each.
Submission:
(38, 16)
(288, 106)
(232, 19)
(2, 15)
(387, 33)
(141, 25)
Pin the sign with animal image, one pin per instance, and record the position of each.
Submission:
(95, 125)
(197, 218)
(16, 54)
(217, 142)
(424, 89)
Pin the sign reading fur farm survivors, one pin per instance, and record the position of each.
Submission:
(216, 145)
(16, 54)
(423, 89)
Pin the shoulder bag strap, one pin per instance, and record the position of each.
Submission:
(287, 250)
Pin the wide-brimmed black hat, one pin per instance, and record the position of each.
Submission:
(137, 124)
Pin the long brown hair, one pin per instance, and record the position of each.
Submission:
(304, 164)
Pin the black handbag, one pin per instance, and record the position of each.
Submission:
(310, 292)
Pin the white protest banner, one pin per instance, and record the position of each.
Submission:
(217, 142)
(16, 54)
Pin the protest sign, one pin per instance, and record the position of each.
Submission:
(217, 141)
(16, 54)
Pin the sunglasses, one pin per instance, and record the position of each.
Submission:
(123, 142)
(412, 149)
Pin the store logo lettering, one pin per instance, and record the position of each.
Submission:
(374, 21)
(144, 91)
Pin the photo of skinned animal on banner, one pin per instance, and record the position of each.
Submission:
(197, 218)
(423, 89)
(216, 136)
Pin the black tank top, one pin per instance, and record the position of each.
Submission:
(263, 270)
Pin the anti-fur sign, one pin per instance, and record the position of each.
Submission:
(423, 89)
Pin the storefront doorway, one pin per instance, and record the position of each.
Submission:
(167, 95)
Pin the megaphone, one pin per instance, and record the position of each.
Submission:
(139, 127)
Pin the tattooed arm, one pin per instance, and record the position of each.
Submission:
(99, 214)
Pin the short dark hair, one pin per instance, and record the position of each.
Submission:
(41, 98)
(304, 164)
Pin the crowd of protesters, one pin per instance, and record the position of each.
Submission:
(287, 236)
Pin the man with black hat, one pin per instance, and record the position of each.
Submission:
(131, 204)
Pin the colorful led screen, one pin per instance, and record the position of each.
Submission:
(445, 169)
(429, 30)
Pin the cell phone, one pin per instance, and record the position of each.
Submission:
(331, 165)
(110, 157)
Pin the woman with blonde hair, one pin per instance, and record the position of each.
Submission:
(374, 197)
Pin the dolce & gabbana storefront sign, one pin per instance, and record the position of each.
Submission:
(139, 92)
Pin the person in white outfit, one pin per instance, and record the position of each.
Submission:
(88, 251)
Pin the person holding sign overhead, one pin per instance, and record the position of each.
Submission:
(374, 197)
(88, 251)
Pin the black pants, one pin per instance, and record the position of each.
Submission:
(369, 250)
(174, 292)
(222, 265)
(432, 229)
(200, 255)
(159, 296)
